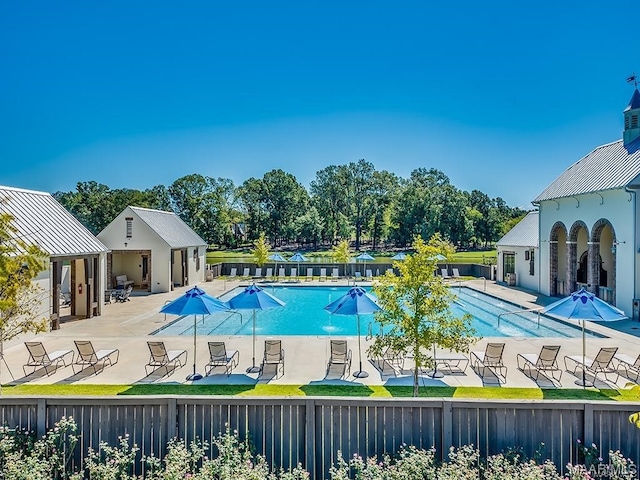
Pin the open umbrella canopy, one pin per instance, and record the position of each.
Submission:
(195, 301)
(276, 257)
(355, 302)
(364, 256)
(399, 256)
(254, 298)
(439, 257)
(583, 305)
(298, 257)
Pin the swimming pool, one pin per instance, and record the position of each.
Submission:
(304, 314)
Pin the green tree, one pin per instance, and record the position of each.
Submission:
(328, 195)
(342, 253)
(261, 250)
(20, 297)
(416, 307)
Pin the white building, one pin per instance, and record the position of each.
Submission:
(589, 224)
(155, 250)
(76, 260)
(518, 254)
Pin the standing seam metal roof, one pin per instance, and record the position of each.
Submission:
(42, 221)
(525, 234)
(169, 227)
(608, 167)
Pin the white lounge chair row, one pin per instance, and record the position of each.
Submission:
(87, 357)
(293, 274)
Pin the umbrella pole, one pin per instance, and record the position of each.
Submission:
(584, 383)
(435, 373)
(253, 368)
(194, 375)
(360, 373)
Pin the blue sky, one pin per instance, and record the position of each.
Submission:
(501, 96)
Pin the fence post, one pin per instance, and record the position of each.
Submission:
(447, 427)
(310, 435)
(41, 417)
(587, 424)
(172, 418)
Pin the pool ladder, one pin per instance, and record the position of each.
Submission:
(370, 331)
(521, 311)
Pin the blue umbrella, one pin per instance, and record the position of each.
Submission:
(399, 256)
(583, 305)
(254, 298)
(194, 302)
(298, 257)
(276, 257)
(355, 302)
(364, 256)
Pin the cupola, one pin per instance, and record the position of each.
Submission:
(632, 119)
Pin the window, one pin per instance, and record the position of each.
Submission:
(532, 265)
(129, 221)
(508, 263)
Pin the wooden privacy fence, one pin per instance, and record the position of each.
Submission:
(311, 431)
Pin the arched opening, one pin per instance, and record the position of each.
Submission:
(577, 245)
(558, 260)
(603, 265)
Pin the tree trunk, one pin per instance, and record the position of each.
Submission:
(416, 383)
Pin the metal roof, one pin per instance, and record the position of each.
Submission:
(41, 220)
(169, 227)
(525, 234)
(608, 167)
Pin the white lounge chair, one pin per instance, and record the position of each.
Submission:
(445, 274)
(233, 273)
(258, 273)
(389, 271)
(220, 357)
(455, 273)
(368, 275)
(323, 274)
(273, 355)
(38, 357)
(490, 359)
(269, 274)
(246, 273)
(281, 275)
(161, 357)
(309, 274)
(543, 362)
(89, 357)
(602, 363)
(357, 276)
(293, 274)
(334, 275)
(341, 356)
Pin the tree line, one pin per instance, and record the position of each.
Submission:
(352, 201)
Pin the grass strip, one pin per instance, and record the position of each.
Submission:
(326, 390)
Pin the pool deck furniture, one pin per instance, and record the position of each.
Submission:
(88, 357)
(455, 362)
(219, 356)
(246, 273)
(123, 282)
(368, 275)
(281, 275)
(123, 295)
(258, 273)
(269, 274)
(273, 355)
(39, 358)
(309, 274)
(445, 274)
(233, 273)
(544, 363)
(630, 365)
(455, 273)
(490, 359)
(335, 275)
(390, 358)
(602, 363)
(357, 276)
(161, 357)
(341, 356)
(293, 274)
(323, 275)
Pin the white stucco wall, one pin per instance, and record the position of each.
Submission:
(196, 275)
(617, 206)
(523, 278)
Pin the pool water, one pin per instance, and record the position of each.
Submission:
(304, 314)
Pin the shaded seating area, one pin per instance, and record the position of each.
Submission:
(544, 363)
(490, 359)
(220, 357)
(273, 356)
(123, 295)
(89, 357)
(39, 358)
(630, 365)
(601, 364)
(340, 356)
(161, 357)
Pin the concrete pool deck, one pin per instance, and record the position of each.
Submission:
(128, 326)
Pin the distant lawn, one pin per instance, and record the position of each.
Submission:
(326, 390)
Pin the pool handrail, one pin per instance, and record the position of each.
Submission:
(522, 311)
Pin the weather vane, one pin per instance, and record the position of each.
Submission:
(633, 79)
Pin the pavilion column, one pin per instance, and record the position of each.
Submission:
(553, 268)
(593, 266)
(572, 266)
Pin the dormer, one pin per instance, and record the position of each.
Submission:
(632, 119)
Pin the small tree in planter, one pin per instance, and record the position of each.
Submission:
(261, 250)
(415, 305)
(342, 254)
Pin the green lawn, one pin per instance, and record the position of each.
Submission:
(499, 393)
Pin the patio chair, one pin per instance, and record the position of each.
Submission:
(88, 357)
(269, 274)
(490, 359)
(390, 357)
(123, 295)
(293, 274)
(455, 273)
(246, 273)
(258, 273)
(357, 276)
(389, 271)
(455, 362)
(309, 274)
(233, 273)
(628, 364)
(273, 355)
(220, 357)
(368, 275)
(323, 274)
(39, 358)
(602, 363)
(341, 356)
(161, 357)
(543, 362)
(334, 275)
(445, 273)
(281, 275)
